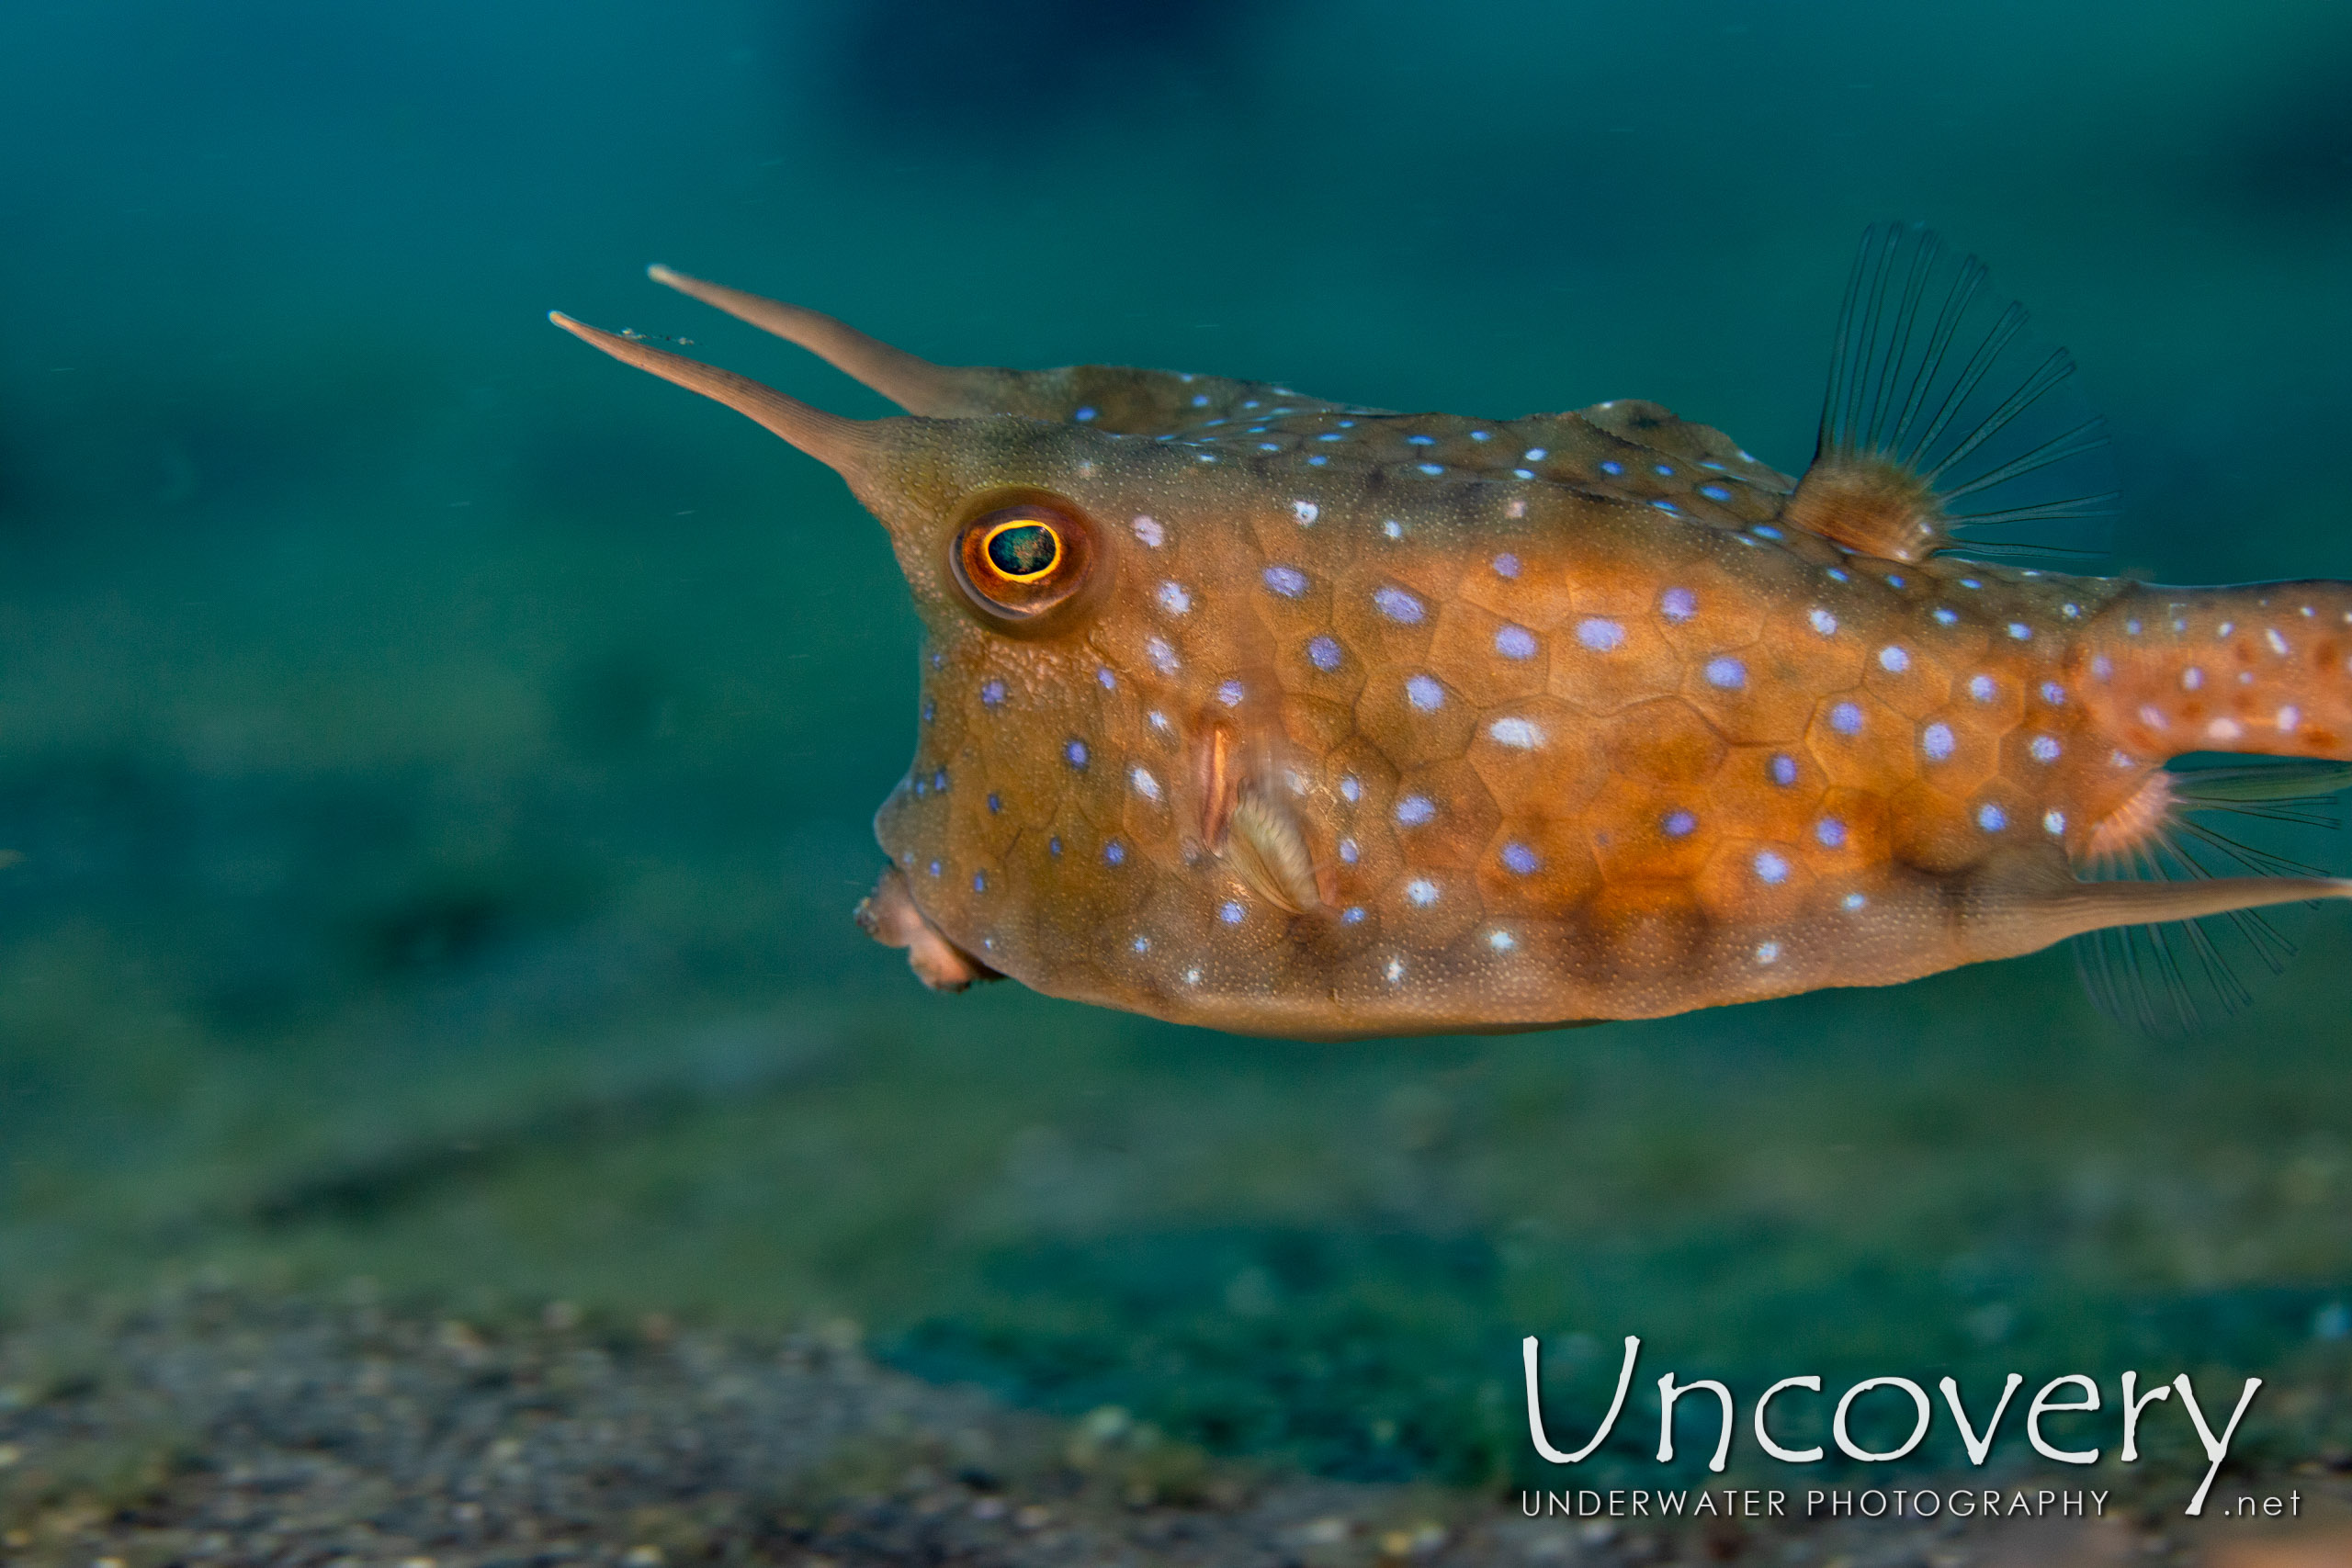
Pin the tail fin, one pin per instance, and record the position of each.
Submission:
(1940, 416)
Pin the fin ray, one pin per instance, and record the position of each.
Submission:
(2133, 974)
(1935, 419)
(1266, 850)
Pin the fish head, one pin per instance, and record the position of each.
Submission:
(1097, 721)
(1100, 756)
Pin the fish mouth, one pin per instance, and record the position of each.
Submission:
(890, 916)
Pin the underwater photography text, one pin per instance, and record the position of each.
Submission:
(2051, 1399)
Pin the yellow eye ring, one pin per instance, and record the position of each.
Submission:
(1028, 565)
(1022, 549)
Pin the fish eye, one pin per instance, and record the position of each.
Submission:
(1023, 559)
(1022, 549)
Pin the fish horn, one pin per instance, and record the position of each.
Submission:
(844, 444)
(937, 391)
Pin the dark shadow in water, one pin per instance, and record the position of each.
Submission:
(2295, 160)
(956, 77)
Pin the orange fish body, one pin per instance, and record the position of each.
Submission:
(1250, 710)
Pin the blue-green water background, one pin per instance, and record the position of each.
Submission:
(441, 760)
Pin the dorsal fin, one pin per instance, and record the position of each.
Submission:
(1939, 415)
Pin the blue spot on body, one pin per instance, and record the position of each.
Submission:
(1323, 653)
(1286, 581)
(1520, 860)
(1784, 768)
(1229, 912)
(1613, 466)
(1515, 642)
(1680, 824)
(1075, 751)
(991, 692)
(1115, 852)
(1846, 718)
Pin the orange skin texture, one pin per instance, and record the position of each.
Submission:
(1609, 834)
(1556, 719)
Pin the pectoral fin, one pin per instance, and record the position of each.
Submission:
(1266, 850)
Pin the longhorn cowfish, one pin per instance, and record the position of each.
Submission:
(1249, 709)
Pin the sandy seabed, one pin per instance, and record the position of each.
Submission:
(230, 1427)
